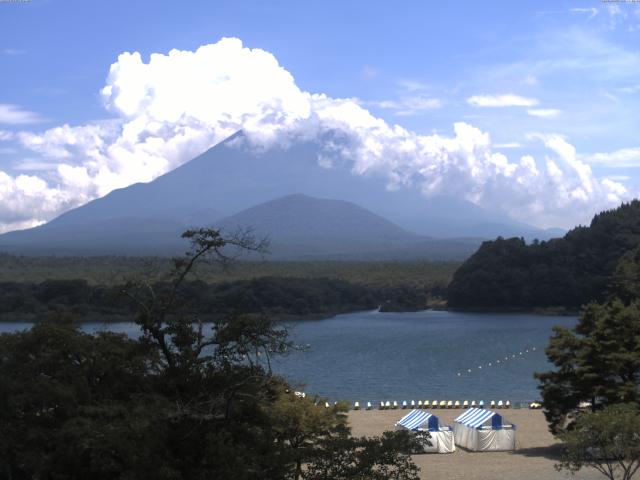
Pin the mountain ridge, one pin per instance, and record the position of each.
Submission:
(230, 178)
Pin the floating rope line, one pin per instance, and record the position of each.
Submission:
(501, 361)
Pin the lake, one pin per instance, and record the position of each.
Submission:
(429, 355)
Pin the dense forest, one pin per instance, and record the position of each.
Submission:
(564, 272)
(280, 297)
(90, 287)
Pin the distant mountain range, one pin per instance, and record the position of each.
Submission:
(307, 210)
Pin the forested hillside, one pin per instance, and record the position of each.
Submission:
(566, 272)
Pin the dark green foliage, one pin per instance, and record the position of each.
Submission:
(625, 281)
(378, 458)
(607, 440)
(78, 406)
(73, 401)
(277, 296)
(596, 361)
(178, 403)
(567, 272)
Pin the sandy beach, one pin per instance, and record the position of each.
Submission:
(533, 460)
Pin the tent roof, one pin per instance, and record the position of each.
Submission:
(476, 417)
(414, 419)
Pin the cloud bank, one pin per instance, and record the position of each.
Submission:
(174, 106)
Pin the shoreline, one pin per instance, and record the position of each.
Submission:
(120, 318)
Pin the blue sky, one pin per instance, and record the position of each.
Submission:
(539, 78)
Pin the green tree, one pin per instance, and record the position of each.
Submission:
(75, 403)
(597, 361)
(300, 423)
(608, 440)
(625, 280)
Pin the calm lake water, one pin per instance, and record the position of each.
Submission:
(372, 356)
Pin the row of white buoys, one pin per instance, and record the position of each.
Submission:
(498, 361)
(445, 404)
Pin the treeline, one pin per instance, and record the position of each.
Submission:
(565, 272)
(280, 297)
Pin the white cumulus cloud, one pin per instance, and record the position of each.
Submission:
(173, 106)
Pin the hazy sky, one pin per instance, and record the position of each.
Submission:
(527, 107)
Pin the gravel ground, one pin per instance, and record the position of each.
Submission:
(534, 458)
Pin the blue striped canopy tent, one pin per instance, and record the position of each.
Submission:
(440, 438)
(478, 429)
(416, 419)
